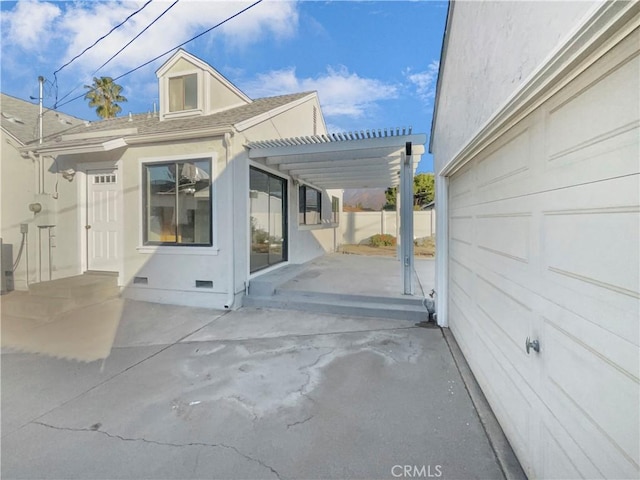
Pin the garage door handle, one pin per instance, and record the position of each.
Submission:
(532, 344)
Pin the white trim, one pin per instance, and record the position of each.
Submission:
(82, 178)
(179, 249)
(76, 149)
(442, 250)
(176, 250)
(289, 185)
(253, 121)
(179, 135)
(603, 27)
(122, 132)
(165, 113)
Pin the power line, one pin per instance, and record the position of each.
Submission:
(55, 74)
(102, 37)
(174, 48)
(120, 51)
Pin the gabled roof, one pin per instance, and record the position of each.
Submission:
(183, 54)
(20, 119)
(134, 129)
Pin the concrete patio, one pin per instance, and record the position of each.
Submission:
(256, 393)
(191, 393)
(348, 285)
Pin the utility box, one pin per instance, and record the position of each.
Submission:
(6, 267)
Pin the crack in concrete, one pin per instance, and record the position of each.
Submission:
(166, 444)
(289, 425)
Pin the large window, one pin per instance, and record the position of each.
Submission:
(183, 93)
(177, 203)
(268, 207)
(310, 203)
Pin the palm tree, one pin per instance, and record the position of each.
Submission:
(103, 94)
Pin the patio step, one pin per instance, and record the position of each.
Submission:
(47, 300)
(410, 308)
(266, 284)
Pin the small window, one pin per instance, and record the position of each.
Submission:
(183, 93)
(335, 210)
(310, 201)
(177, 203)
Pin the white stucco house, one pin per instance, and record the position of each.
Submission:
(188, 204)
(536, 147)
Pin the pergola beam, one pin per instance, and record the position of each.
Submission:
(364, 145)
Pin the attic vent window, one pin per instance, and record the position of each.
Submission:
(183, 93)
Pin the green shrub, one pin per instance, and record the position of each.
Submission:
(382, 240)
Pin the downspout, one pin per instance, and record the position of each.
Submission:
(231, 290)
(39, 172)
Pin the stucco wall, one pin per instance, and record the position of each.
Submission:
(18, 186)
(171, 272)
(22, 182)
(491, 50)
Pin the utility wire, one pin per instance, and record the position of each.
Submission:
(102, 37)
(120, 51)
(172, 49)
(55, 74)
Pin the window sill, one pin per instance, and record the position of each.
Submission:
(319, 226)
(183, 113)
(170, 250)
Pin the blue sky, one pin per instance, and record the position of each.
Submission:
(374, 64)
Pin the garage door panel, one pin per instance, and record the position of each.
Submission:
(621, 352)
(513, 409)
(462, 277)
(605, 107)
(505, 234)
(603, 257)
(605, 394)
(461, 229)
(510, 315)
(460, 194)
(562, 458)
(614, 313)
(506, 160)
(597, 404)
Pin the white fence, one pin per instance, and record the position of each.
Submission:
(358, 227)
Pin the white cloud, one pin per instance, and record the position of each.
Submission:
(29, 25)
(79, 24)
(342, 93)
(425, 82)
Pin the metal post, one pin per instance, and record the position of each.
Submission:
(41, 82)
(406, 219)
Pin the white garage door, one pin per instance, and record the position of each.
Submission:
(544, 243)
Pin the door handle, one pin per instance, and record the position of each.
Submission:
(532, 344)
(87, 227)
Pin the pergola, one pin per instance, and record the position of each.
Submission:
(371, 159)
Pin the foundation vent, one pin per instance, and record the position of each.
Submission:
(204, 284)
(140, 280)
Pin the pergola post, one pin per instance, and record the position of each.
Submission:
(406, 219)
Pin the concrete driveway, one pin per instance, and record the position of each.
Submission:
(247, 394)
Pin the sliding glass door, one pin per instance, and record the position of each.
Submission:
(268, 203)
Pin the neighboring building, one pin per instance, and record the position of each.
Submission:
(536, 147)
(25, 180)
(171, 202)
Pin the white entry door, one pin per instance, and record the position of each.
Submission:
(102, 220)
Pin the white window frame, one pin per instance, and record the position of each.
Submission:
(200, 92)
